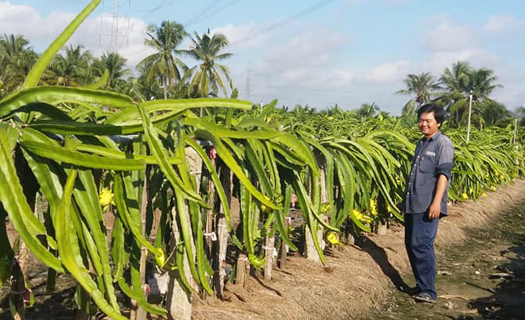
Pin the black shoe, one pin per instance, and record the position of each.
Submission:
(411, 291)
(424, 297)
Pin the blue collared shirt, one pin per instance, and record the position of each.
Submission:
(432, 158)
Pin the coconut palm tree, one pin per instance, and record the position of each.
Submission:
(206, 77)
(494, 113)
(460, 81)
(421, 86)
(16, 60)
(457, 77)
(69, 69)
(115, 64)
(367, 110)
(164, 63)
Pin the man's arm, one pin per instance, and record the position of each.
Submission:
(445, 163)
(435, 208)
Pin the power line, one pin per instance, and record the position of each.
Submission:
(162, 4)
(309, 89)
(205, 10)
(217, 10)
(281, 23)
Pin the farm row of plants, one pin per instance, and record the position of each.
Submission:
(90, 153)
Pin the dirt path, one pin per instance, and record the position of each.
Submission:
(484, 278)
(362, 277)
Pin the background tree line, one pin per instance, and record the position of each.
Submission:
(164, 74)
(453, 89)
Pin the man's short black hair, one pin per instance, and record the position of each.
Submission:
(439, 111)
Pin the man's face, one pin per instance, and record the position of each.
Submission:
(428, 124)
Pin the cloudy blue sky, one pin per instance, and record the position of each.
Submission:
(320, 53)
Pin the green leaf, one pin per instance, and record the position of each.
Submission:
(161, 155)
(52, 94)
(70, 252)
(17, 207)
(81, 159)
(178, 106)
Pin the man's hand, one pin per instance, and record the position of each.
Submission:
(435, 210)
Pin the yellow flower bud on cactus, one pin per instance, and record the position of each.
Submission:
(373, 207)
(264, 208)
(106, 197)
(160, 259)
(358, 215)
(332, 238)
(464, 196)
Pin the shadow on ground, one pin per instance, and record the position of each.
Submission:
(381, 258)
(508, 300)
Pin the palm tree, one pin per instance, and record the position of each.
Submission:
(367, 110)
(70, 69)
(460, 81)
(164, 64)
(494, 113)
(205, 78)
(115, 64)
(16, 60)
(519, 113)
(421, 86)
(457, 77)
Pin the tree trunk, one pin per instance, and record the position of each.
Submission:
(141, 313)
(380, 227)
(210, 215)
(166, 82)
(18, 289)
(311, 252)
(222, 233)
(269, 255)
(284, 247)
(178, 302)
(243, 270)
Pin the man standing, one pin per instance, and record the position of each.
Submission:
(425, 199)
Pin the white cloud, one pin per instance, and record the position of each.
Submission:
(95, 34)
(242, 36)
(312, 49)
(100, 34)
(512, 95)
(438, 61)
(443, 34)
(497, 24)
(26, 20)
(388, 72)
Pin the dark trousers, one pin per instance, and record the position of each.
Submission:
(420, 233)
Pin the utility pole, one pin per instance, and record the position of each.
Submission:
(515, 130)
(469, 115)
(247, 86)
(114, 32)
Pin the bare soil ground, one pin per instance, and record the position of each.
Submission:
(362, 281)
(483, 278)
(362, 277)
